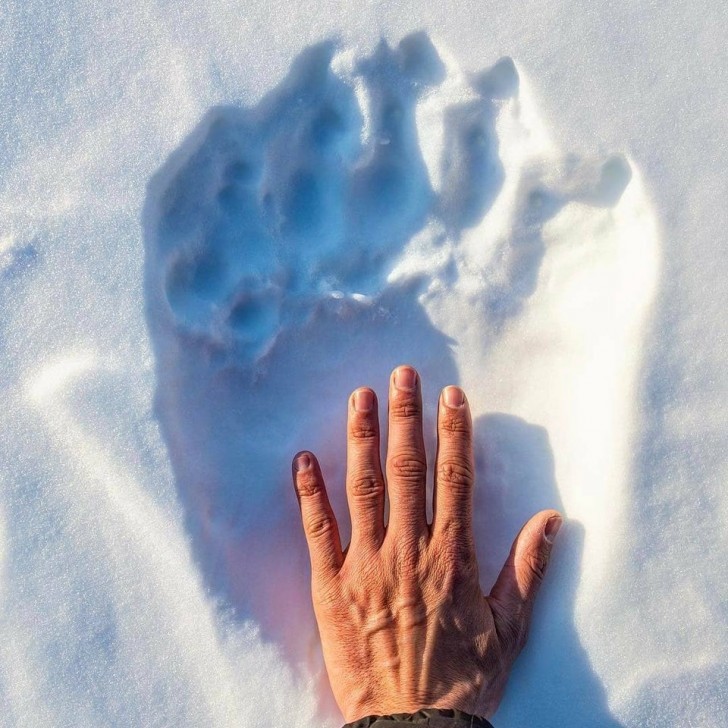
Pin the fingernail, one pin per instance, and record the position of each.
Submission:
(302, 461)
(552, 528)
(453, 396)
(405, 378)
(363, 400)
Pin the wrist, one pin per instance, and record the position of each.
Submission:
(430, 717)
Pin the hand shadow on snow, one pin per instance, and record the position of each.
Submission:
(270, 234)
(515, 467)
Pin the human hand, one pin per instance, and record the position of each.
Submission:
(402, 619)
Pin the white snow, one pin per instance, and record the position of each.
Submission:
(217, 219)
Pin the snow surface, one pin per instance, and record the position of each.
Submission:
(217, 220)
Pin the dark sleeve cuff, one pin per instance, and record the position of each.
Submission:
(431, 717)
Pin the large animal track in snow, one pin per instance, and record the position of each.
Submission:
(372, 210)
(310, 198)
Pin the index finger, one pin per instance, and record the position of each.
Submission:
(454, 467)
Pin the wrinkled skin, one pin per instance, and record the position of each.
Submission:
(403, 621)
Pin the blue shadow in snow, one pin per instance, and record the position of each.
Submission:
(553, 683)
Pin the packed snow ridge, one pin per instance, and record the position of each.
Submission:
(380, 209)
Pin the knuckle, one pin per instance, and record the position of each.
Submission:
(456, 473)
(405, 407)
(366, 486)
(319, 526)
(408, 559)
(308, 484)
(363, 429)
(537, 561)
(454, 423)
(408, 466)
(443, 575)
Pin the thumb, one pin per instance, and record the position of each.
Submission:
(514, 592)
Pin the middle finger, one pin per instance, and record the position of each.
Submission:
(406, 459)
